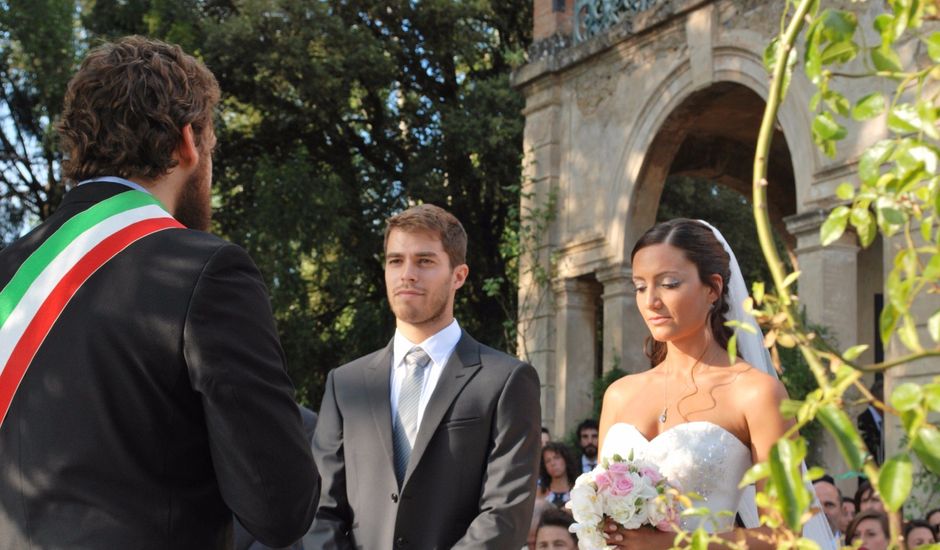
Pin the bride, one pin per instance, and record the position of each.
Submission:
(703, 418)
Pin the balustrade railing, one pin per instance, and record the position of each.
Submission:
(592, 17)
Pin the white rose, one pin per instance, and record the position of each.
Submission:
(585, 505)
(589, 537)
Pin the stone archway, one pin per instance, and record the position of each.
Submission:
(676, 89)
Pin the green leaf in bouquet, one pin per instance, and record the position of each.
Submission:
(699, 540)
(895, 481)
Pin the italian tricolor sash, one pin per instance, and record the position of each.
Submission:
(41, 288)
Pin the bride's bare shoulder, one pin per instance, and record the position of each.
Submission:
(757, 384)
(627, 386)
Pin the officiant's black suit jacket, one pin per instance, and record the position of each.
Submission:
(470, 484)
(157, 406)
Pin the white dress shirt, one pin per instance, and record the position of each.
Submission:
(439, 348)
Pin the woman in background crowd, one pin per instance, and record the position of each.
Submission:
(917, 533)
(871, 528)
(866, 499)
(557, 472)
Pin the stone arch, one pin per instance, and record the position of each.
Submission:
(661, 132)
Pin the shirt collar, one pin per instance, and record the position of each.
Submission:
(115, 179)
(438, 347)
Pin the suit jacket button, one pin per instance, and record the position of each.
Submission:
(395, 498)
(401, 542)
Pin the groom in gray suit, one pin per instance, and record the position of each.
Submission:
(433, 441)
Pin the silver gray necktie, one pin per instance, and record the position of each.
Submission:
(405, 425)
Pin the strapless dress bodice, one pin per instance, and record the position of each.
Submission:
(701, 457)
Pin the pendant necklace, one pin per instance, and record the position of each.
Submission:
(665, 414)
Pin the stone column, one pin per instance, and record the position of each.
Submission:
(550, 17)
(541, 173)
(828, 289)
(828, 285)
(624, 328)
(575, 316)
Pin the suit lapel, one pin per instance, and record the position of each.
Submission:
(460, 368)
(377, 380)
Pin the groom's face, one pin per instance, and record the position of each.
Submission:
(420, 281)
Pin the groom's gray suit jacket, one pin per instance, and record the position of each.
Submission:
(471, 479)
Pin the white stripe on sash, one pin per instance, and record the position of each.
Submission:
(40, 289)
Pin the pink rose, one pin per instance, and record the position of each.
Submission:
(618, 469)
(602, 480)
(621, 486)
(664, 526)
(652, 475)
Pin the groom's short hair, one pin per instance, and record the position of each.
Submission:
(437, 221)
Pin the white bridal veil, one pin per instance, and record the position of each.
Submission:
(751, 347)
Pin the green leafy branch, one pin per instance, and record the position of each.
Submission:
(897, 195)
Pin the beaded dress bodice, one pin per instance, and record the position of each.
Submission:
(701, 457)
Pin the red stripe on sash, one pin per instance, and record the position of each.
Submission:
(52, 307)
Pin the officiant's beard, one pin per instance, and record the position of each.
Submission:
(590, 451)
(194, 202)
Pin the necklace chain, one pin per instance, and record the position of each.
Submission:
(663, 416)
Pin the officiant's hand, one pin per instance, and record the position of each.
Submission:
(652, 539)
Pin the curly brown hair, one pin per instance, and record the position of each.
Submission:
(126, 107)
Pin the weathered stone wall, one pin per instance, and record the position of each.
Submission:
(604, 121)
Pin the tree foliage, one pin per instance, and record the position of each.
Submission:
(38, 50)
(335, 115)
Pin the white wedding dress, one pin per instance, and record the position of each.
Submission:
(701, 457)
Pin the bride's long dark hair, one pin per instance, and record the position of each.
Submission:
(703, 249)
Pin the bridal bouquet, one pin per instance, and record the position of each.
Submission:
(631, 492)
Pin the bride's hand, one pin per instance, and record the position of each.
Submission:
(651, 539)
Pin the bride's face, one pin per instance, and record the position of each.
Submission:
(669, 294)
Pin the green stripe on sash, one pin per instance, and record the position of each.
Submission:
(11, 295)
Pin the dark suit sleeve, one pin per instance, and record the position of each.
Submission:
(508, 497)
(262, 460)
(333, 520)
